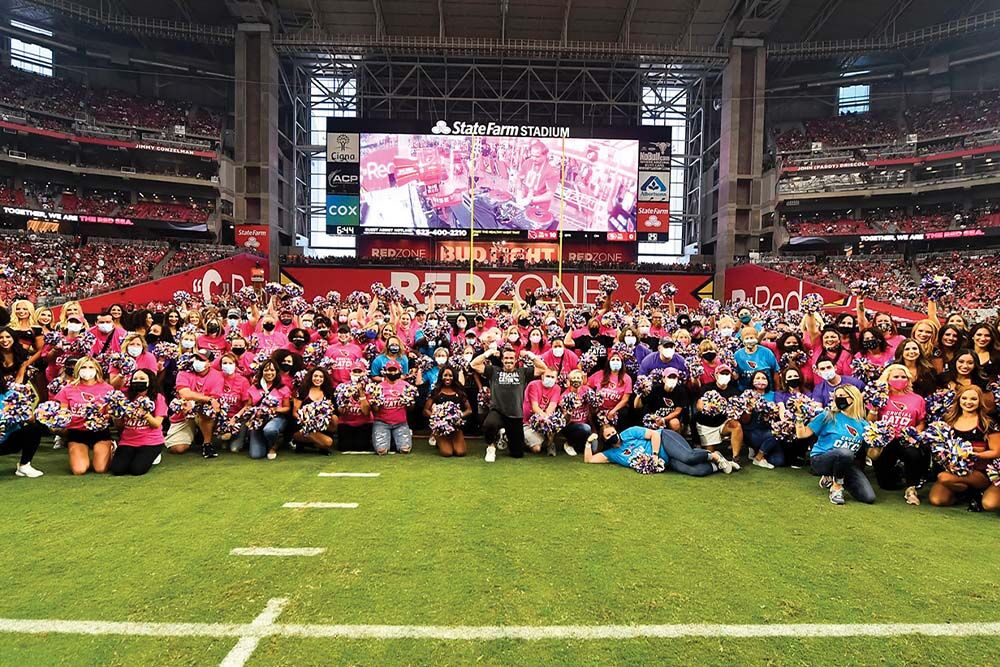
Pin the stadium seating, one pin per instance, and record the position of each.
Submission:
(174, 212)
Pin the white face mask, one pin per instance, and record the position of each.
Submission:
(74, 327)
(668, 353)
(643, 331)
(105, 327)
(670, 384)
(723, 380)
(558, 352)
(441, 361)
(228, 369)
(467, 357)
(513, 338)
(87, 374)
(536, 339)
(750, 342)
(548, 383)
(356, 377)
(726, 331)
(630, 340)
(187, 344)
(615, 365)
(828, 374)
(199, 365)
(134, 350)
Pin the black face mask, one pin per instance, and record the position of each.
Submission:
(287, 365)
(793, 383)
(842, 402)
(137, 387)
(152, 339)
(683, 324)
(212, 328)
(392, 377)
(594, 331)
(845, 330)
(709, 356)
(886, 327)
(286, 320)
(393, 349)
(869, 344)
(791, 347)
(613, 440)
(323, 333)
(268, 326)
(524, 322)
(298, 342)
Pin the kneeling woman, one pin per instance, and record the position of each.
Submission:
(839, 432)
(317, 387)
(81, 396)
(141, 440)
(668, 446)
(448, 390)
(969, 418)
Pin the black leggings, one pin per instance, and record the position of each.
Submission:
(514, 426)
(24, 440)
(134, 460)
(916, 463)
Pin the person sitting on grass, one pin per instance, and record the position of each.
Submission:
(390, 426)
(268, 388)
(711, 427)
(141, 439)
(202, 385)
(839, 451)
(317, 386)
(666, 445)
(23, 438)
(88, 388)
(449, 390)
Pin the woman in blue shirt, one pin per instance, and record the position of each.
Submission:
(668, 446)
(839, 432)
(753, 357)
(769, 453)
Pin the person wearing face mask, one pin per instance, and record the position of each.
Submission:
(136, 348)
(459, 328)
(214, 338)
(580, 339)
(200, 385)
(141, 439)
(448, 389)
(298, 338)
(87, 388)
(394, 351)
(354, 428)
(672, 396)
(789, 383)
(561, 358)
(712, 428)
(233, 321)
(344, 352)
(630, 337)
(507, 385)
(270, 337)
(726, 326)
(874, 348)
(390, 425)
(21, 438)
(671, 448)
(107, 336)
(322, 330)
(578, 429)
(644, 329)
(830, 348)
(903, 410)
(766, 451)
(289, 364)
(512, 339)
(541, 397)
(710, 361)
(537, 344)
(614, 387)
(911, 355)
(235, 395)
(840, 450)
(753, 357)
(666, 358)
(828, 379)
(286, 322)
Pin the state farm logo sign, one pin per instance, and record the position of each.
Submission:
(653, 217)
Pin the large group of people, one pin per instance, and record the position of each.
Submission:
(649, 385)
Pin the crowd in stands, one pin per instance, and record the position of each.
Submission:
(830, 227)
(890, 221)
(67, 98)
(963, 114)
(298, 259)
(173, 211)
(196, 254)
(51, 196)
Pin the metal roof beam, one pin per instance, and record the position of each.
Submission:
(379, 18)
(567, 6)
(625, 28)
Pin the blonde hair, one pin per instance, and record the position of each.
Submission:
(856, 410)
(928, 347)
(682, 334)
(14, 323)
(64, 318)
(81, 362)
(749, 331)
(134, 336)
(891, 368)
(38, 313)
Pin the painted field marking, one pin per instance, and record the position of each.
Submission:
(321, 506)
(277, 551)
(247, 645)
(495, 632)
(350, 474)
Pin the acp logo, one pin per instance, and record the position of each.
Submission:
(441, 127)
(343, 178)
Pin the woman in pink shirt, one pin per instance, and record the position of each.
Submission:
(135, 347)
(81, 396)
(141, 438)
(874, 348)
(268, 384)
(904, 410)
(235, 395)
(561, 358)
(613, 385)
(536, 342)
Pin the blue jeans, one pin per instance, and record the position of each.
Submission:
(764, 440)
(839, 464)
(682, 458)
(266, 438)
(383, 435)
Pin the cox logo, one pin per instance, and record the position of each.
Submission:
(441, 127)
(342, 210)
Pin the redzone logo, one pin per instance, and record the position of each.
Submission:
(596, 257)
(400, 253)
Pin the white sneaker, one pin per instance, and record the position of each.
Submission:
(502, 439)
(751, 452)
(58, 442)
(735, 465)
(272, 455)
(432, 441)
(725, 465)
(568, 448)
(825, 482)
(762, 463)
(27, 471)
(158, 459)
(491, 454)
(592, 443)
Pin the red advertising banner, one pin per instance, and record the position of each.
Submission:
(499, 251)
(777, 291)
(653, 216)
(452, 285)
(80, 139)
(254, 238)
(387, 247)
(205, 282)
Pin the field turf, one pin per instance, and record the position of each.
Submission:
(435, 542)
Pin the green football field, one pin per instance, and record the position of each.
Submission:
(458, 545)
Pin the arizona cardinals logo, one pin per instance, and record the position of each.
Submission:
(87, 396)
(898, 406)
(853, 431)
(752, 364)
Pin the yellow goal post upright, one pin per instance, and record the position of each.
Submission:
(472, 300)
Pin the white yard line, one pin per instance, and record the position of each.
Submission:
(321, 506)
(350, 474)
(277, 551)
(496, 632)
(247, 645)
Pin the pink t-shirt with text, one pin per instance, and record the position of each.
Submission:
(137, 432)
